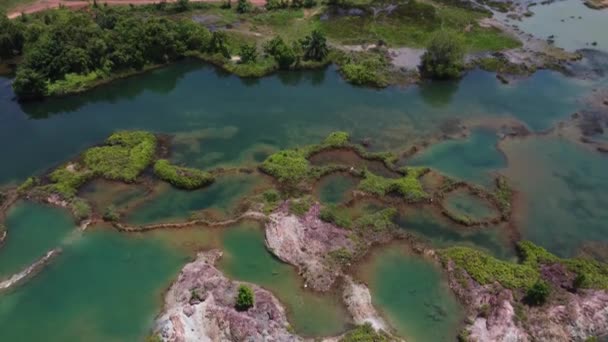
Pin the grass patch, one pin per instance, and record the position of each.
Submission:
(408, 186)
(300, 206)
(413, 24)
(125, 155)
(67, 179)
(29, 183)
(182, 177)
(365, 68)
(341, 256)
(289, 166)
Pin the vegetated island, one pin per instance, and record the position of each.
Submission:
(373, 43)
(527, 299)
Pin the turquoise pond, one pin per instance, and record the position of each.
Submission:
(108, 286)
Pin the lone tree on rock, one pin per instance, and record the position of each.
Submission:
(538, 293)
(244, 298)
(443, 58)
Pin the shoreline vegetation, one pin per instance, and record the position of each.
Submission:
(61, 51)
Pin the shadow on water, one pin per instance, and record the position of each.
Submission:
(438, 94)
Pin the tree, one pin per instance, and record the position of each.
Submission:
(29, 84)
(443, 58)
(248, 53)
(315, 46)
(243, 6)
(281, 52)
(12, 38)
(182, 5)
(218, 44)
(538, 293)
(244, 298)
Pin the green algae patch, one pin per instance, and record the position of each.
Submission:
(124, 157)
(182, 177)
(486, 269)
(338, 138)
(409, 186)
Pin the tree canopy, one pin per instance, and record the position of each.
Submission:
(443, 58)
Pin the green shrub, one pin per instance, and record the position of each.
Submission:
(67, 179)
(341, 256)
(443, 58)
(29, 183)
(336, 139)
(281, 52)
(244, 298)
(333, 214)
(408, 187)
(124, 157)
(365, 333)
(81, 209)
(300, 206)
(243, 6)
(29, 84)
(111, 214)
(379, 221)
(182, 177)
(289, 166)
(315, 46)
(538, 293)
(248, 53)
(271, 196)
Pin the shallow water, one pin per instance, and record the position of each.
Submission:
(442, 233)
(471, 159)
(105, 286)
(247, 259)
(465, 203)
(335, 188)
(290, 109)
(561, 19)
(413, 295)
(171, 204)
(32, 230)
(564, 190)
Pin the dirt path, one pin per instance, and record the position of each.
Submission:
(43, 5)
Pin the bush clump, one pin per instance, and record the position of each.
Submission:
(244, 298)
(365, 333)
(333, 214)
(125, 155)
(408, 187)
(182, 177)
(29, 183)
(443, 58)
(336, 139)
(379, 221)
(289, 166)
(538, 293)
(67, 179)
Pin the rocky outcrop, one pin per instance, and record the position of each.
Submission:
(199, 306)
(31, 270)
(495, 314)
(306, 242)
(358, 301)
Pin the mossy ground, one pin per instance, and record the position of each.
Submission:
(408, 187)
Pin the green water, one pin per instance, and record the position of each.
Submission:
(33, 230)
(256, 117)
(247, 259)
(335, 188)
(564, 190)
(413, 296)
(471, 159)
(464, 203)
(171, 204)
(103, 287)
(442, 233)
(561, 19)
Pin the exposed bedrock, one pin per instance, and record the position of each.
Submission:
(306, 242)
(495, 315)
